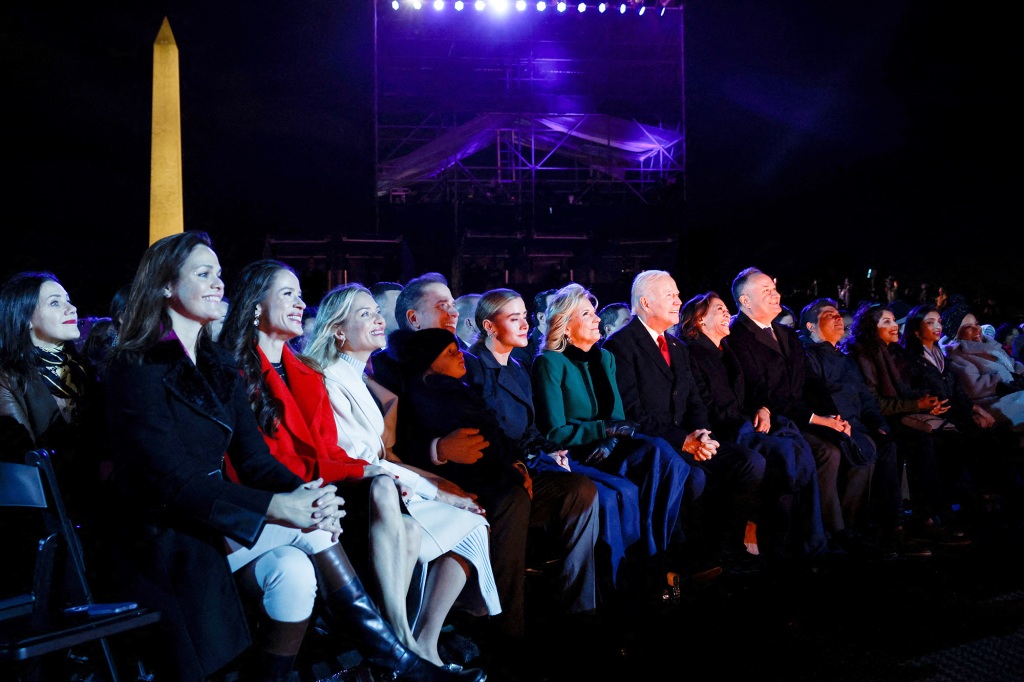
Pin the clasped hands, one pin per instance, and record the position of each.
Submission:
(311, 506)
(701, 445)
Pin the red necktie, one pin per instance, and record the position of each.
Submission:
(663, 347)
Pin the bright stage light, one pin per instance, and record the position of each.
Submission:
(582, 7)
(439, 5)
(394, 4)
(602, 7)
(459, 5)
(643, 8)
(560, 6)
(662, 12)
(499, 5)
(541, 5)
(479, 5)
(521, 5)
(622, 8)
(417, 4)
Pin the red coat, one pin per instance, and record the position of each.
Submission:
(306, 440)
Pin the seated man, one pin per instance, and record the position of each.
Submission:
(652, 371)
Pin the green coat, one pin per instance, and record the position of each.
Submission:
(563, 395)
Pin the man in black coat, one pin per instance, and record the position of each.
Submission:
(773, 364)
(652, 372)
(835, 384)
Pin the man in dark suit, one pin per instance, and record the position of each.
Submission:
(652, 372)
(772, 360)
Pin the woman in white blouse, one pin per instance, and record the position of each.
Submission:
(348, 329)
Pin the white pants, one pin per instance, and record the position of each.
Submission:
(279, 568)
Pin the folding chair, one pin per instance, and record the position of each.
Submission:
(59, 613)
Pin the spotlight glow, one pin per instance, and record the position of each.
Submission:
(602, 7)
(541, 5)
(643, 8)
(622, 8)
(439, 5)
(459, 5)
(560, 6)
(499, 5)
(479, 5)
(662, 12)
(417, 4)
(521, 5)
(394, 4)
(582, 7)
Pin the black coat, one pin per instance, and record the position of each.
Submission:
(720, 381)
(171, 423)
(665, 401)
(773, 377)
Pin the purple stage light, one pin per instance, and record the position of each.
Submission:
(622, 8)
(521, 5)
(582, 7)
(602, 7)
(439, 5)
(394, 4)
(416, 4)
(643, 8)
(560, 6)
(541, 5)
(479, 5)
(459, 5)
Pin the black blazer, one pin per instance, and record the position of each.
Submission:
(773, 378)
(665, 401)
(170, 424)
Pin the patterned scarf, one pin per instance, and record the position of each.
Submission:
(63, 375)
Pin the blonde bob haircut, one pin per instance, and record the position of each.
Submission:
(565, 303)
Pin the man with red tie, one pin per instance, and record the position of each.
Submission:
(652, 372)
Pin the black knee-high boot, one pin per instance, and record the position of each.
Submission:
(357, 618)
(277, 645)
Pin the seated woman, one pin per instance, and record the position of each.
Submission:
(439, 401)
(176, 405)
(48, 396)
(988, 375)
(929, 458)
(789, 526)
(348, 328)
(504, 384)
(579, 409)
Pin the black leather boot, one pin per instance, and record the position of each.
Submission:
(355, 617)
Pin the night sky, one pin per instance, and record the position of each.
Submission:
(823, 138)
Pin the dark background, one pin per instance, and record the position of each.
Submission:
(823, 140)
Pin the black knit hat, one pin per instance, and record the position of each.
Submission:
(954, 314)
(417, 350)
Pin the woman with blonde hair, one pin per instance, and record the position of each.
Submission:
(454, 544)
(579, 408)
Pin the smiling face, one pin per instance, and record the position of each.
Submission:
(450, 362)
(584, 327)
(280, 311)
(363, 330)
(435, 309)
(761, 299)
(54, 320)
(509, 327)
(716, 320)
(930, 330)
(660, 307)
(969, 330)
(196, 294)
(888, 330)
